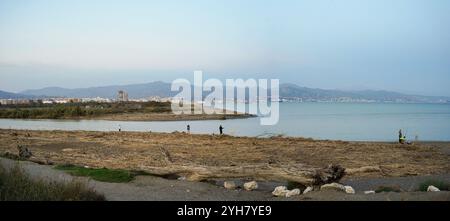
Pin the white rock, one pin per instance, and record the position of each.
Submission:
(251, 186)
(231, 185)
(333, 186)
(293, 192)
(308, 189)
(369, 192)
(349, 190)
(280, 191)
(432, 189)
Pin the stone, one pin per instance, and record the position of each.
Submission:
(333, 186)
(251, 186)
(280, 191)
(230, 185)
(369, 192)
(293, 192)
(308, 189)
(432, 189)
(349, 190)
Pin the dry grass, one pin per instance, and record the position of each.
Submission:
(16, 185)
(140, 151)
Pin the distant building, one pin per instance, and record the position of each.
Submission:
(122, 96)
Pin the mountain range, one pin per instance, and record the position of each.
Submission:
(9, 95)
(287, 91)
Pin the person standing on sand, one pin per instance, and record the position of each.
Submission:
(221, 129)
(120, 128)
(188, 127)
(400, 136)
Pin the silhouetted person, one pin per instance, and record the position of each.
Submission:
(400, 136)
(221, 129)
(188, 127)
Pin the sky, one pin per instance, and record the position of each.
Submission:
(401, 45)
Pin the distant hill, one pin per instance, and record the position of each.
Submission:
(9, 95)
(287, 91)
(314, 94)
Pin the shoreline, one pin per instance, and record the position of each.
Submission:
(140, 117)
(213, 134)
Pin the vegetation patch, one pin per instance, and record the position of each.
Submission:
(441, 185)
(102, 174)
(16, 185)
(80, 110)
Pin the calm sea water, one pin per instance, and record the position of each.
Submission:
(336, 121)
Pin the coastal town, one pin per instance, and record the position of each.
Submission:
(122, 96)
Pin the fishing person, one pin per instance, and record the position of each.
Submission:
(221, 129)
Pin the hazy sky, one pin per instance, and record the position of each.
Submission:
(400, 45)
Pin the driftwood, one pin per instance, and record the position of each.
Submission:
(24, 153)
(298, 173)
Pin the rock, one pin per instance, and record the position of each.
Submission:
(230, 185)
(251, 186)
(293, 192)
(349, 190)
(280, 191)
(432, 189)
(369, 192)
(308, 189)
(333, 186)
